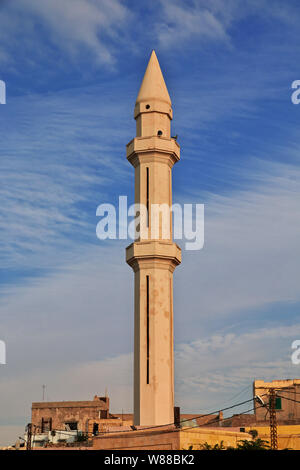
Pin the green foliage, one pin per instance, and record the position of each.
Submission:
(207, 446)
(255, 444)
(254, 433)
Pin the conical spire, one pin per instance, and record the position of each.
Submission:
(153, 86)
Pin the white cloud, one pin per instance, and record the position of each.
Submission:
(208, 373)
(202, 21)
(250, 257)
(181, 22)
(68, 324)
(56, 167)
(61, 329)
(211, 370)
(74, 26)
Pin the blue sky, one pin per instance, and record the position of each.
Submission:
(72, 70)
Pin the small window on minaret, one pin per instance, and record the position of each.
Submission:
(159, 133)
(147, 106)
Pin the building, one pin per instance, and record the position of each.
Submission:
(287, 405)
(169, 438)
(153, 256)
(69, 415)
(51, 438)
(287, 400)
(78, 423)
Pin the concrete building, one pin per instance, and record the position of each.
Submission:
(153, 256)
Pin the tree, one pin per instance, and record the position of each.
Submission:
(217, 446)
(255, 444)
(254, 433)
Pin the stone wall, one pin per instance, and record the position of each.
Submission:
(55, 415)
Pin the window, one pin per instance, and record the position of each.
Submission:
(104, 414)
(95, 429)
(46, 424)
(277, 403)
(71, 426)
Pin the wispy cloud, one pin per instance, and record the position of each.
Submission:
(181, 22)
(211, 370)
(200, 21)
(75, 27)
(249, 261)
(56, 167)
(208, 373)
(251, 250)
(63, 152)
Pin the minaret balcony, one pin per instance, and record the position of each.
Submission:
(153, 144)
(153, 249)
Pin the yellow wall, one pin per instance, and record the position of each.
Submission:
(196, 437)
(186, 437)
(288, 436)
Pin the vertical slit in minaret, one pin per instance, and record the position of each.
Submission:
(147, 300)
(147, 195)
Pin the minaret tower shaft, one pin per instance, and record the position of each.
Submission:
(153, 256)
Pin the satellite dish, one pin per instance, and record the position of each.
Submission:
(259, 400)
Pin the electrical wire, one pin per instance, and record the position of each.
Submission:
(289, 399)
(63, 431)
(241, 392)
(181, 421)
(168, 431)
(184, 420)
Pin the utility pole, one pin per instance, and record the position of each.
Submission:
(273, 421)
(29, 436)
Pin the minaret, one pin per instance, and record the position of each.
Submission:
(153, 256)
